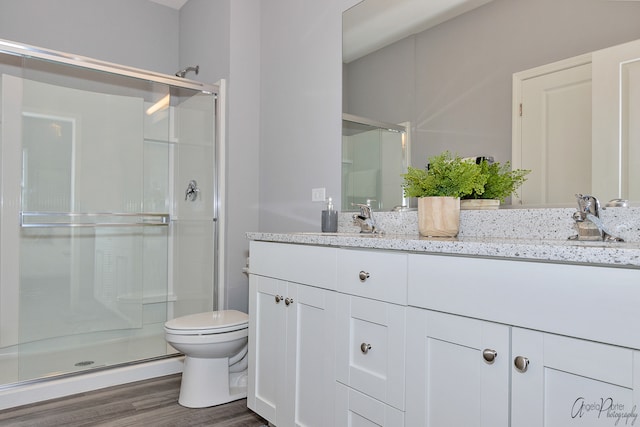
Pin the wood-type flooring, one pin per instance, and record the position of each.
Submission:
(151, 402)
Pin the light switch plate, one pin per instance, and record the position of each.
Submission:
(318, 194)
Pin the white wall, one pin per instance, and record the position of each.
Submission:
(243, 151)
(285, 76)
(204, 38)
(137, 33)
(300, 110)
(223, 37)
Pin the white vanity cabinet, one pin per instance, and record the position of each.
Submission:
(467, 371)
(564, 337)
(370, 338)
(291, 328)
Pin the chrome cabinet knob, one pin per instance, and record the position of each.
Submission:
(278, 299)
(489, 355)
(288, 301)
(363, 275)
(521, 363)
(364, 348)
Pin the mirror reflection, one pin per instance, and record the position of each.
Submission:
(453, 81)
(374, 157)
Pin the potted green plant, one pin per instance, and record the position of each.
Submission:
(439, 189)
(501, 183)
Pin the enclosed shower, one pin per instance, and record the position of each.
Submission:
(108, 218)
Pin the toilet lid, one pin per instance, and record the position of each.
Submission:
(211, 322)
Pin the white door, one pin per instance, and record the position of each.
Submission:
(561, 382)
(457, 371)
(554, 117)
(616, 128)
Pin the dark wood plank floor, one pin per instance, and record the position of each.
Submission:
(146, 403)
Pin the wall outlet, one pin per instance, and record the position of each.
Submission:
(318, 194)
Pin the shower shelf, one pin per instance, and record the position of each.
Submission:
(106, 219)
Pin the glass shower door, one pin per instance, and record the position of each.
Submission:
(85, 238)
(100, 242)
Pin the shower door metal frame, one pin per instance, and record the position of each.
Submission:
(29, 51)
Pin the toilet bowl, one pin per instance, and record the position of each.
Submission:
(211, 342)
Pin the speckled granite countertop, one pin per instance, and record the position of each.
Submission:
(524, 234)
(565, 251)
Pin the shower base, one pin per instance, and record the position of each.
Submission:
(41, 390)
(45, 373)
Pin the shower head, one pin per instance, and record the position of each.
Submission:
(184, 72)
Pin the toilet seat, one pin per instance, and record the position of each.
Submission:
(209, 323)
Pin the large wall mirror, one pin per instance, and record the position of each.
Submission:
(448, 72)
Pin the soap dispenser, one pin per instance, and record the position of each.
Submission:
(329, 218)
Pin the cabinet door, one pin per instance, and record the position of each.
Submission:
(559, 382)
(310, 378)
(457, 371)
(291, 350)
(370, 338)
(267, 334)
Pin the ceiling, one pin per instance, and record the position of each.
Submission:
(374, 24)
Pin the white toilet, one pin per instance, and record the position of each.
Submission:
(215, 364)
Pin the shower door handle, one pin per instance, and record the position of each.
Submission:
(88, 219)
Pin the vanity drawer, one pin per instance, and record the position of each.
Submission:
(379, 275)
(583, 301)
(357, 409)
(370, 342)
(310, 265)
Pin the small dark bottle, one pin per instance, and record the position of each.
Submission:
(329, 218)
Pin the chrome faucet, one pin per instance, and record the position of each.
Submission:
(365, 218)
(588, 222)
